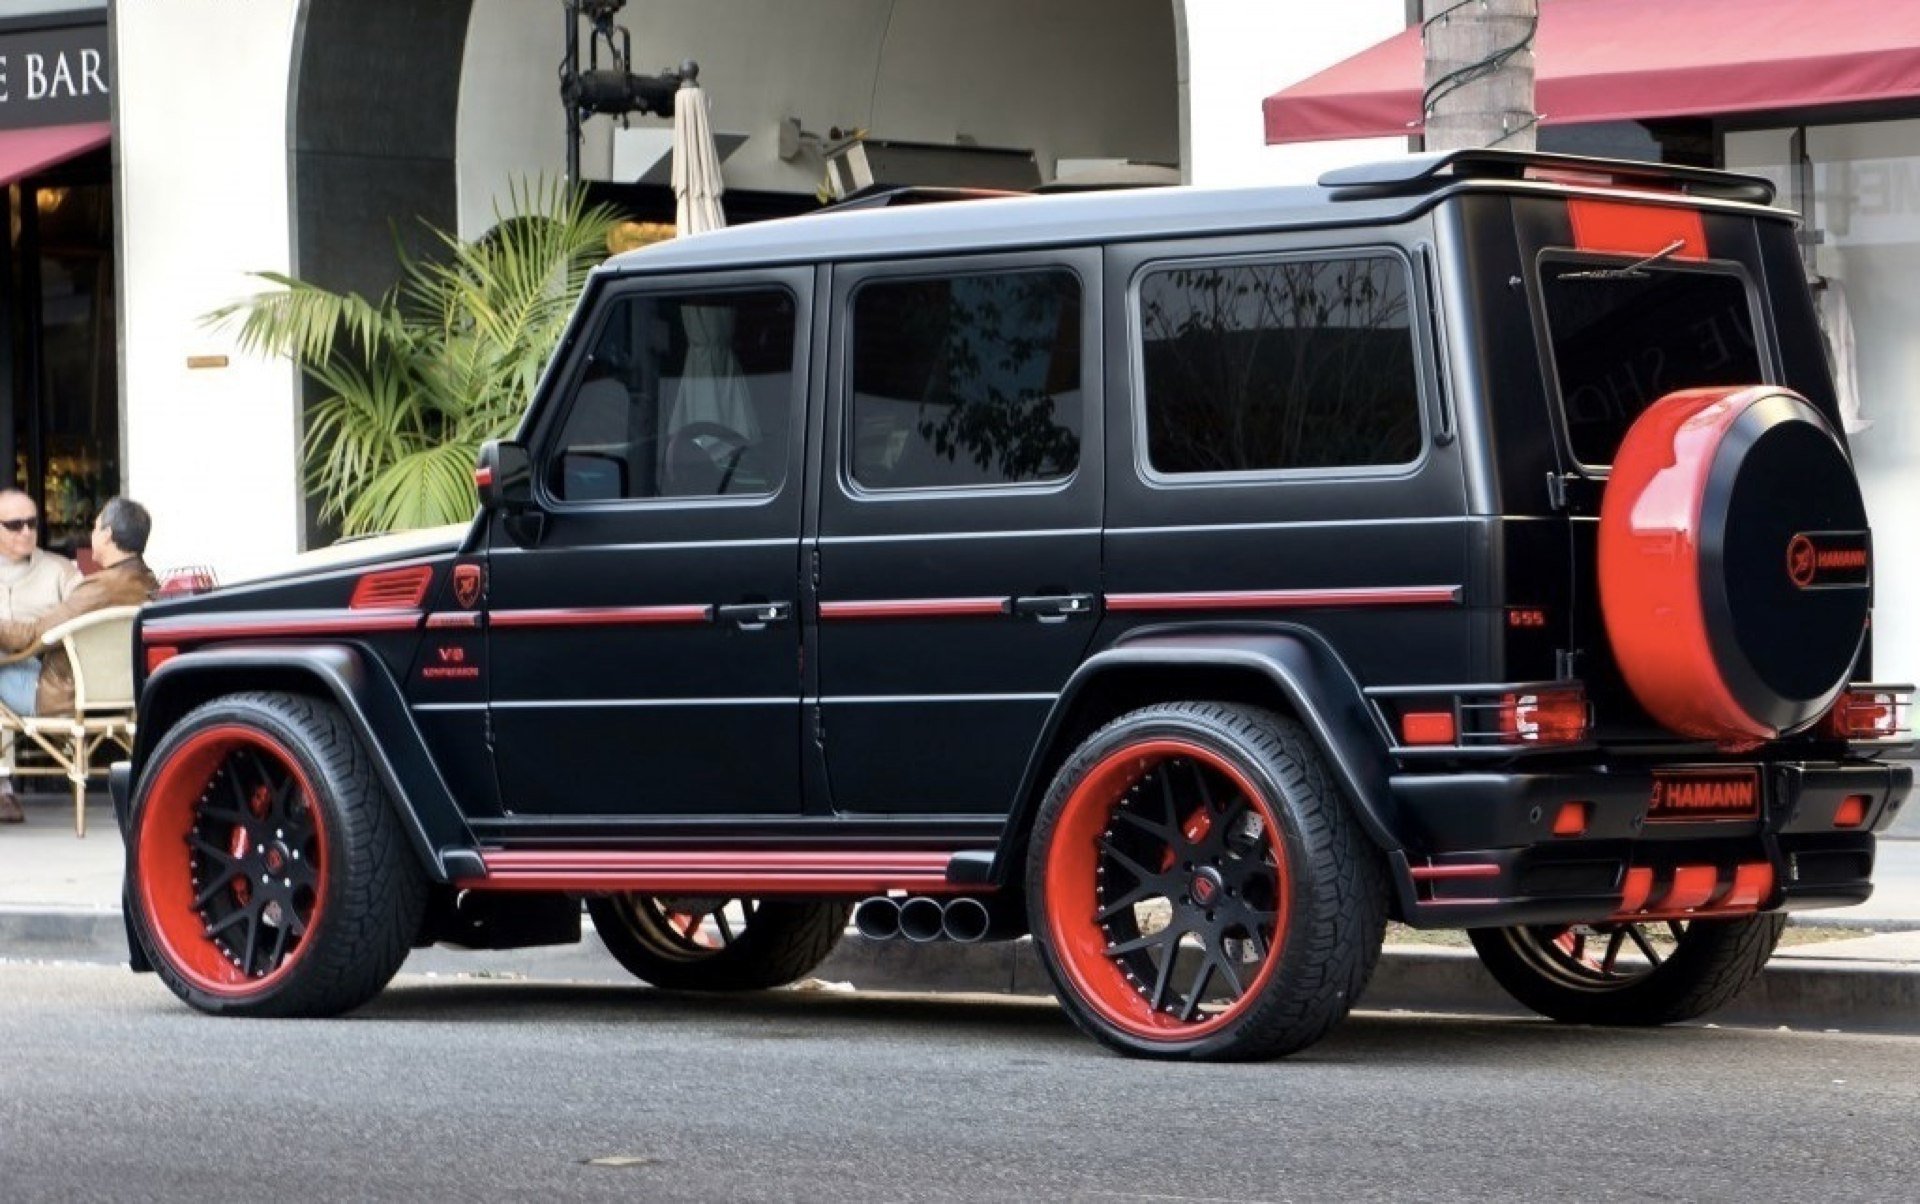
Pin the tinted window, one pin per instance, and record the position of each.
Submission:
(683, 396)
(1622, 341)
(966, 380)
(1297, 364)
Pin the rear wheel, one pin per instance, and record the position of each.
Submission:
(717, 944)
(268, 873)
(1656, 972)
(1198, 889)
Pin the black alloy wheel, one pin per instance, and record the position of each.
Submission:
(1629, 973)
(268, 874)
(685, 943)
(1198, 888)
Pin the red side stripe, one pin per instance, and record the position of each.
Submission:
(241, 627)
(1625, 228)
(1287, 599)
(913, 608)
(600, 616)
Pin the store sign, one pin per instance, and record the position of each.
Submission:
(53, 77)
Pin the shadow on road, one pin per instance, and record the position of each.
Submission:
(1376, 1039)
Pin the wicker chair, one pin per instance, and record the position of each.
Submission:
(99, 646)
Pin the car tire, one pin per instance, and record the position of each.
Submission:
(714, 944)
(1553, 972)
(1219, 824)
(268, 872)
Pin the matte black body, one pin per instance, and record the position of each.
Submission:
(695, 673)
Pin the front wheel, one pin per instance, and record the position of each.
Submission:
(717, 944)
(1649, 973)
(268, 875)
(1198, 888)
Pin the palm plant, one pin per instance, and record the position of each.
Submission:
(415, 381)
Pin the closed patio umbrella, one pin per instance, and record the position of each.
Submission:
(712, 388)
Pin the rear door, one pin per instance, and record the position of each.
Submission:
(958, 554)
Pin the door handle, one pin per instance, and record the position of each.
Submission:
(753, 616)
(1053, 608)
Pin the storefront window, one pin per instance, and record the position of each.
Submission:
(65, 415)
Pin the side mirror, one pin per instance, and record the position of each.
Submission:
(504, 476)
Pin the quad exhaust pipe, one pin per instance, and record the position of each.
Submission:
(922, 920)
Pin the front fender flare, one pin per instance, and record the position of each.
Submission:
(364, 691)
(1316, 685)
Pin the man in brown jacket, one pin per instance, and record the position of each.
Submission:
(119, 537)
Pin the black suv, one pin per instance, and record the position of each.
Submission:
(1195, 580)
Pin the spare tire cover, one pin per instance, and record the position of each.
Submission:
(1735, 563)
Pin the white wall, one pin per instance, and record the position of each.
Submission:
(1067, 78)
(1867, 192)
(1239, 52)
(200, 159)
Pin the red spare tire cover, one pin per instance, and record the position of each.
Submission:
(1734, 563)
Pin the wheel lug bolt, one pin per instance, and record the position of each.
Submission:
(286, 882)
(279, 833)
(296, 854)
(259, 848)
(264, 878)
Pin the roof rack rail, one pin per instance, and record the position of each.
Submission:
(886, 196)
(1424, 172)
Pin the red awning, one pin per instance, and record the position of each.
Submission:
(23, 152)
(1622, 60)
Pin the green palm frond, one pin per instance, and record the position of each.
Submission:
(413, 382)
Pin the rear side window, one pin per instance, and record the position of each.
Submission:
(1624, 338)
(966, 380)
(1290, 364)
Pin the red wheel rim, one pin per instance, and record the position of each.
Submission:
(230, 861)
(1167, 825)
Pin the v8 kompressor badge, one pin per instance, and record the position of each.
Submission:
(1828, 559)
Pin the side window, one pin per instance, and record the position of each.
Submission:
(1253, 367)
(966, 380)
(684, 395)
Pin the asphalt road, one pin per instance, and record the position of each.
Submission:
(447, 1089)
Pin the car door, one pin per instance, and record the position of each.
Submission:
(958, 551)
(642, 642)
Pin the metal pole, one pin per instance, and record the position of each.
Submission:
(570, 73)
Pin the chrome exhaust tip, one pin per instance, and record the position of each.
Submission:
(877, 919)
(966, 921)
(922, 919)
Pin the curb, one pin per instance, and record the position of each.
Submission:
(1796, 991)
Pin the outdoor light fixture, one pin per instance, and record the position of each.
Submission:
(613, 90)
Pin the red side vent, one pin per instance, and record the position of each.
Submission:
(396, 589)
(1623, 228)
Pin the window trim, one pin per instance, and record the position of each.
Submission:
(921, 270)
(1763, 350)
(553, 420)
(1417, 296)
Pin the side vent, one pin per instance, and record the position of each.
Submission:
(395, 589)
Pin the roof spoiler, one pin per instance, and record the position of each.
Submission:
(1427, 172)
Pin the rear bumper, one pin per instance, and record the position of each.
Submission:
(1479, 849)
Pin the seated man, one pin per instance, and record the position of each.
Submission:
(119, 537)
(32, 582)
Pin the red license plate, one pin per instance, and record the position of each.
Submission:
(1689, 796)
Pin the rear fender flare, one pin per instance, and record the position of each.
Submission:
(1308, 679)
(364, 691)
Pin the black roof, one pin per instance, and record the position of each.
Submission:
(1368, 195)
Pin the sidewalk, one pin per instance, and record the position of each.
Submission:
(59, 900)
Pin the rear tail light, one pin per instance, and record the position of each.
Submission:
(1871, 713)
(1556, 716)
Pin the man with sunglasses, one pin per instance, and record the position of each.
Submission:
(32, 582)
